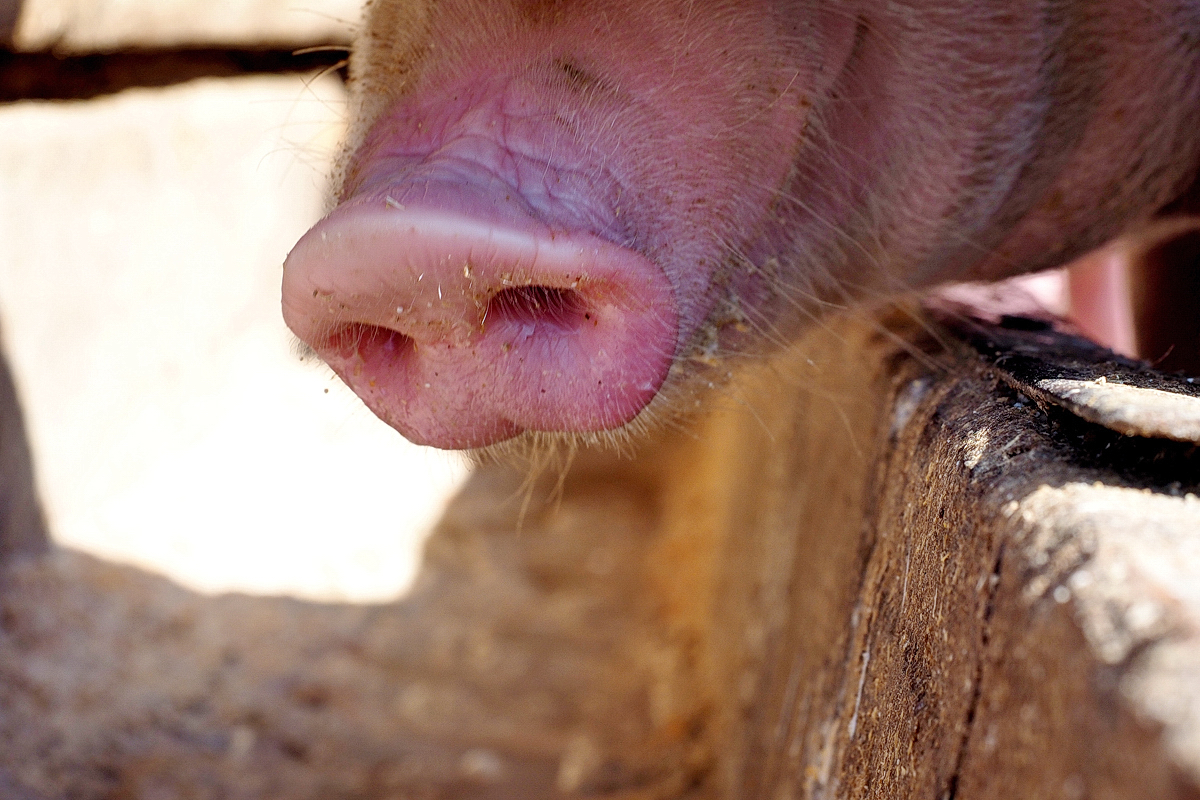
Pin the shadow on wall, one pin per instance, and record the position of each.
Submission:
(520, 672)
(22, 524)
(9, 10)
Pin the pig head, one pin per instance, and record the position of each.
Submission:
(561, 216)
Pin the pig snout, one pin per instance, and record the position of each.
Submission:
(460, 329)
(463, 289)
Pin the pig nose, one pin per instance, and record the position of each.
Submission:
(460, 331)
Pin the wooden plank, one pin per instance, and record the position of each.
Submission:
(86, 26)
(876, 569)
(1024, 618)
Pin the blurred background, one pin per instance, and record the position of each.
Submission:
(159, 158)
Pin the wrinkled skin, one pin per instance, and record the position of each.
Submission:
(556, 215)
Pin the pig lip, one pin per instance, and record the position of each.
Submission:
(461, 332)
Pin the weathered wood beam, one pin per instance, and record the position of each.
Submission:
(886, 565)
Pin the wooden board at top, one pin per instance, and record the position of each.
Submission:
(87, 26)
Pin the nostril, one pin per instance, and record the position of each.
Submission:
(360, 338)
(461, 329)
(546, 305)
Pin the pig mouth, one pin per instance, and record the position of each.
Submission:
(463, 326)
